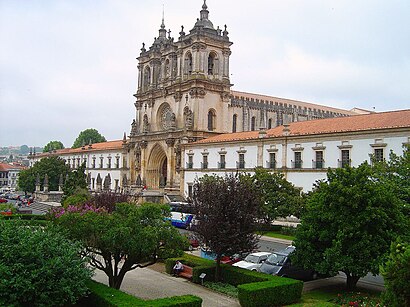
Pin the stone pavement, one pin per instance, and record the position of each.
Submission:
(149, 284)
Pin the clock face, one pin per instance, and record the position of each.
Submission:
(166, 117)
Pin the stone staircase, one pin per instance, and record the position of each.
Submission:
(43, 206)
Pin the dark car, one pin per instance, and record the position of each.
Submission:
(279, 263)
(3, 200)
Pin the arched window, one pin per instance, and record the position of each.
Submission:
(188, 63)
(166, 72)
(211, 120)
(235, 117)
(211, 59)
(269, 123)
(253, 121)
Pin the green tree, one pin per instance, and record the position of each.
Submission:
(227, 210)
(24, 149)
(39, 267)
(53, 145)
(75, 181)
(88, 135)
(52, 166)
(396, 273)
(279, 197)
(349, 222)
(137, 236)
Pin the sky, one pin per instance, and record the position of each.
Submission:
(66, 66)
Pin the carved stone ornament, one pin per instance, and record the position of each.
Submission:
(146, 124)
(143, 144)
(134, 128)
(178, 96)
(197, 92)
(177, 151)
(168, 118)
(225, 96)
(189, 118)
(170, 142)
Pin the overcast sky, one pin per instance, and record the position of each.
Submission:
(70, 65)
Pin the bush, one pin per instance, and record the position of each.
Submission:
(277, 291)
(8, 207)
(39, 267)
(102, 296)
(237, 276)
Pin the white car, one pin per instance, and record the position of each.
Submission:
(253, 261)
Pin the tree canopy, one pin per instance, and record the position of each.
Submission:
(53, 145)
(227, 209)
(349, 222)
(52, 166)
(279, 197)
(88, 135)
(136, 236)
(39, 267)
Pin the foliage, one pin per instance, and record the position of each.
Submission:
(7, 207)
(355, 299)
(396, 273)
(52, 166)
(279, 197)
(37, 264)
(102, 296)
(351, 219)
(227, 210)
(80, 196)
(238, 276)
(108, 200)
(278, 291)
(75, 181)
(222, 288)
(86, 136)
(135, 236)
(24, 149)
(53, 145)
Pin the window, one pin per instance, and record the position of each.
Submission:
(101, 162)
(189, 190)
(211, 120)
(190, 162)
(319, 163)
(109, 162)
(117, 162)
(93, 166)
(241, 162)
(298, 160)
(269, 123)
(234, 119)
(253, 121)
(378, 154)
(211, 59)
(221, 161)
(272, 160)
(147, 77)
(345, 158)
(204, 162)
(78, 162)
(188, 63)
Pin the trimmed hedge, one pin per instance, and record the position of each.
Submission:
(238, 276)
(278, 291)
(104, 296)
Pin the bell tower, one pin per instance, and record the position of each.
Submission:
(182, 96)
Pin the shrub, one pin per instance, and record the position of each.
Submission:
(237, 276)
(37, 264)
(104, 296)
(277, 291)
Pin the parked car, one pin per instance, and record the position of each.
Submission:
(279, 263)
(3, 200)
(253, 261)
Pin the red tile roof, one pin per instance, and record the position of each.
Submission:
(394, 119)
(110, 145)
(5, 167)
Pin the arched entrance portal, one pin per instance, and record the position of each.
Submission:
(157, 168)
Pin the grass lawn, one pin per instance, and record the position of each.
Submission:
(274, 234)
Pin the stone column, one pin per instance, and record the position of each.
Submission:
(143, 145)
(38, 185)
(45, 187)
(170, 162)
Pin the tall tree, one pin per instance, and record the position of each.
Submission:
(54, 167)
(88, 135)
(24, 149)
(227, 209)
(53, 145)
(137, 236)
(349, 222)
(279, 197)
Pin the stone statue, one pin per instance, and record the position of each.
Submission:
(134, 128)
(189, 118)
(173, 121)
(146, 124)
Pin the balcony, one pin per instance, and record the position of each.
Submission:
(221, 165)
(189, 165)
(318, 164)
(297, 164)
(271, 164)
(204, 165)
(240, 164)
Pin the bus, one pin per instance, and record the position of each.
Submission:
(182, 213)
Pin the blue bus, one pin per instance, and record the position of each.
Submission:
(181, 212)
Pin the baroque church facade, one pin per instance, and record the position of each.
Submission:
(184, 95)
